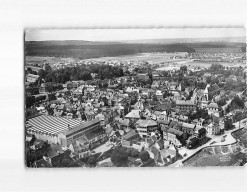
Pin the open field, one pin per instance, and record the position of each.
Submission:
(50, 60)
(147, 57)
(241, 135)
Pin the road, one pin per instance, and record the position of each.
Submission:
(229, 139)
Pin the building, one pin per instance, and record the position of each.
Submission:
(213, 129)
(65, 131)
(90, 129)
(145, 127)
(213, 109)
(41, 127)
(131, 136)
(96, 137)
(173, 136)
(32, 78)
(185, 106)
(188, 128)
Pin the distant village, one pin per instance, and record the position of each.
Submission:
(146, 118)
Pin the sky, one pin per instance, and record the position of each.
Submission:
(130, 34)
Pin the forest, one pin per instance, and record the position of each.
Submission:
(86, 50)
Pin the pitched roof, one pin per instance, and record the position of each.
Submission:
(213, 105)
(185, 102)
(146, 123)
(188, 125)
(133, 114)
(130, 134)
(163, 107)
(173, 131)
(125, 122)
(173, 124)
(164, 122)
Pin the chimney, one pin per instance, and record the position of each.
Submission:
(68, 127)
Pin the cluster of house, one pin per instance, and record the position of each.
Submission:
(219, 57)
(84, 116)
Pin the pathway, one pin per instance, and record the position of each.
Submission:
(229, 139)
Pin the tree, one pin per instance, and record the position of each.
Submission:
(133, 152)
(119, 157)
(216, 67)
(222, 102)
(201, 85)
(92, 161)
(48, 68)
(29, 70)
(238, 101)
(42, 73)
(183, 69)
(214, 81)
(144, 156)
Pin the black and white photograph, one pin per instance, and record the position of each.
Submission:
(165, 97)
(115, 96)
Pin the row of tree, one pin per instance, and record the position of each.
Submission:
(82, 72)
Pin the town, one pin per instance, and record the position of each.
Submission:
(113, 113)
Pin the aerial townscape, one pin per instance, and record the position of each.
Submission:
(135, 104)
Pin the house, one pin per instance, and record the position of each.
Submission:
(183, 118)
(159, 95)
(131, 136)
(213, 129)
(96, 137)
(188, 128)
(32, 78)
(213, 109)
(163, 123)
(174, 136)
(176, 125)
(101, 117)
(155, 85)
(198, 122)
(123, 124)
(185, 106)
(145, 127)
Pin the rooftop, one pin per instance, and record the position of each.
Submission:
(83, 126)
(130, 134)
(146, 123)
(185, 102)
(213, 105)
(43, 123)
(133, 114)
